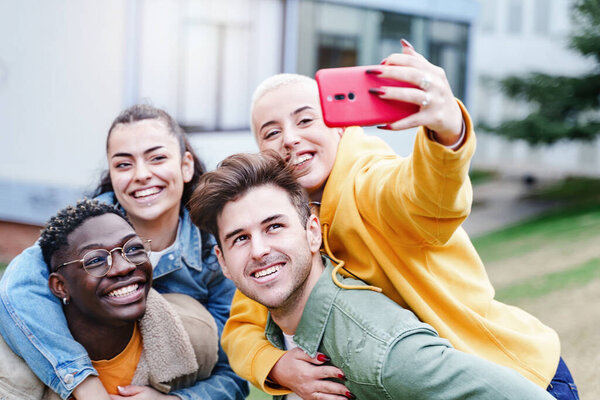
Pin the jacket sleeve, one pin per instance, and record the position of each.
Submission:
(424, 366)
(251, 355)
(423, 198)
(33, 324)
(223, 384)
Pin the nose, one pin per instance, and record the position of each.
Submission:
(120, 265)
(259, 247)
(142, 172)
(290, 137)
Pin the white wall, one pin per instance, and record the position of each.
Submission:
(61, 83)
(67, 67)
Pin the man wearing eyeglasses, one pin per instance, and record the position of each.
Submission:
(101, 271)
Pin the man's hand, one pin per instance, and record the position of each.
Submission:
(307, 376)
(90, 388)
(132, 392)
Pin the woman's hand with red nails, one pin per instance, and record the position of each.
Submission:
(439, 111)
(308, 377)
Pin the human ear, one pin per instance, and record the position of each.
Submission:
(187, 166)
(58, 286)
(313, 233)
(222, 261)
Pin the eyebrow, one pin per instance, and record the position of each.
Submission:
(264, 221)
(295, 112)
(150, 150)
(100, 245)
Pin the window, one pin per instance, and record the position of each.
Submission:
(541, 24)
(514, 17)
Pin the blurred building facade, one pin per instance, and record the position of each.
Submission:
(68, 67)
(516, 37)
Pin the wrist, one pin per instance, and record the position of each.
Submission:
(453, 145)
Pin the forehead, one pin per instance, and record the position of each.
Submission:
(140, 134)
(105, 231)
(254, 206)
(284, 99)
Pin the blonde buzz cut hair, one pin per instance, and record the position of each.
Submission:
(275, 82)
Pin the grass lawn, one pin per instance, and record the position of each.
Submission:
(256, 394)
(2, 268)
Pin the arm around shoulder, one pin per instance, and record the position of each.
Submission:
(33, 324)
(251, 355)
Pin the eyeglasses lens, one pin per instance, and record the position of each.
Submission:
(98, 262)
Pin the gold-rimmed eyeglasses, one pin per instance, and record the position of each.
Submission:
(98, 262)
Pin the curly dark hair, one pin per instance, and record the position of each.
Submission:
(59, 227)
(142, 112)
(236, 175)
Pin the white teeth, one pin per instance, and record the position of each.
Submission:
(124, 291)
(146, 192)
(267, 271)
(302, 158)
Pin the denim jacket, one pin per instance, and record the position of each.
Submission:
(34, 326)
(387, 353)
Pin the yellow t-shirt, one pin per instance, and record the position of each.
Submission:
(119, 370)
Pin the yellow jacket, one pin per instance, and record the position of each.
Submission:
(395, 222)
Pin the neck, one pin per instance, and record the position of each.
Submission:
(161, 231)
(317, 195)
(102, 342)
(288, 316)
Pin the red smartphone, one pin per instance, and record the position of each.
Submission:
(346, 101)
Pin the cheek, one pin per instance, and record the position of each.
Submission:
(270, 145)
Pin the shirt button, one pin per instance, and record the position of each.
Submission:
(171, 257)
(69, 379)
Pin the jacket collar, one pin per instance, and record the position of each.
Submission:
(191, 247)
(311, 328)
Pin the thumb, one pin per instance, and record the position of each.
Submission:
(129, 390)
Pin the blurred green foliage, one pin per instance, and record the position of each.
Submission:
(564, 107)
(478, 176)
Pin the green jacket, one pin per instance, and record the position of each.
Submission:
(387, 353)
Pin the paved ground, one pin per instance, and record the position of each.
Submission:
(499, 203)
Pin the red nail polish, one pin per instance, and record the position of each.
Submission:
(377, 91)
(387, 127)
(350, 395)
(342, 377)
(374, 72)
(406, 43)
(322, 357)
(383, 61)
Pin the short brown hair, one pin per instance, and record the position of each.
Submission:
(233, 177)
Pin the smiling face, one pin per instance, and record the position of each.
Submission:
(147, 170)
(288, 119)
(265, 249)
(118, 297)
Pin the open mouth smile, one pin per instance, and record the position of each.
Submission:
(299, 160)
(145, 193)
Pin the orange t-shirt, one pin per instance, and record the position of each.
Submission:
(119, 370)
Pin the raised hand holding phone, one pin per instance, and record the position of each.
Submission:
(349, 96)
(438, 109)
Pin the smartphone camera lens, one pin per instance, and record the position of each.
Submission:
(351, 96)
(340, 96)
